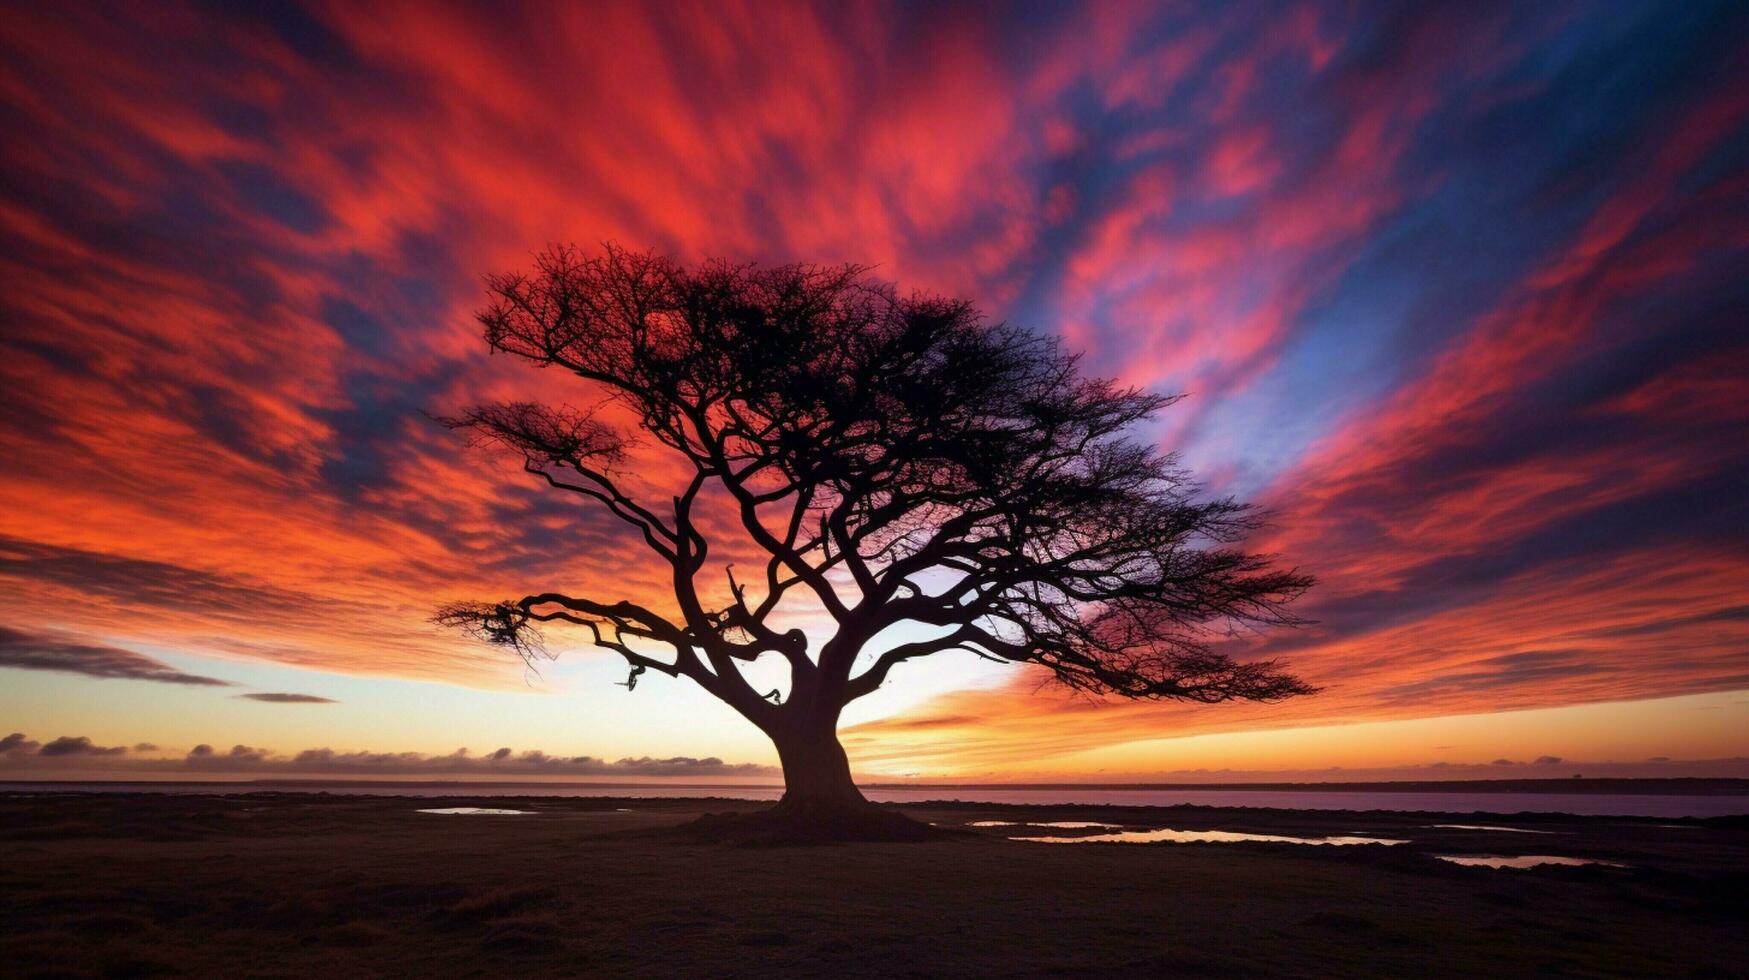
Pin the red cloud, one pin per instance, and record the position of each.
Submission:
(243, 256)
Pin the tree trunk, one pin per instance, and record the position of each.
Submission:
(820, 804)
(816, 777)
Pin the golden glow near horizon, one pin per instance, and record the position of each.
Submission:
(1645, 734)
(573, 712)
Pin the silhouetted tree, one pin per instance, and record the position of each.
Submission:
(893, 458)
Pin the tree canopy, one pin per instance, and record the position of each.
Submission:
(895, 459)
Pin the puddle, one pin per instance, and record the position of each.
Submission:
(1521, 861)
(478, 811)
(1203, 836)
(1060, 824)
(1484, 826)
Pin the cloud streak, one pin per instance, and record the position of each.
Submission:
(26, 651)
(275, 697)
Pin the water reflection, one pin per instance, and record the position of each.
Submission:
(1064, 824)
(1520, 860)
(1483, 826)
(476, 811)
(1202, 836)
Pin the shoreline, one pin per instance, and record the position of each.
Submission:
(1575, 786)
(1663, 800)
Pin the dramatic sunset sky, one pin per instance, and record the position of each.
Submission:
(1459, 291)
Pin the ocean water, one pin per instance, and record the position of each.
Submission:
(1582, 804)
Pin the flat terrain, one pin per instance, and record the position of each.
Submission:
(272, 884)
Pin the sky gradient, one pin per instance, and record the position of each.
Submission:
(1458, 292)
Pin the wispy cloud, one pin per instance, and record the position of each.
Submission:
(26, 651)
(275, 697)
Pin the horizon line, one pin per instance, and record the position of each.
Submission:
(1718, 785)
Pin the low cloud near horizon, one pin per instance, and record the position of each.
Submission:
(17, 751)
(65, 746)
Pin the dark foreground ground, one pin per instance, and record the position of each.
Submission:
(270, 884)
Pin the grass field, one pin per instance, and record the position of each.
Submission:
(302, 885)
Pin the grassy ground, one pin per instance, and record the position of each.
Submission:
(291, 885)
